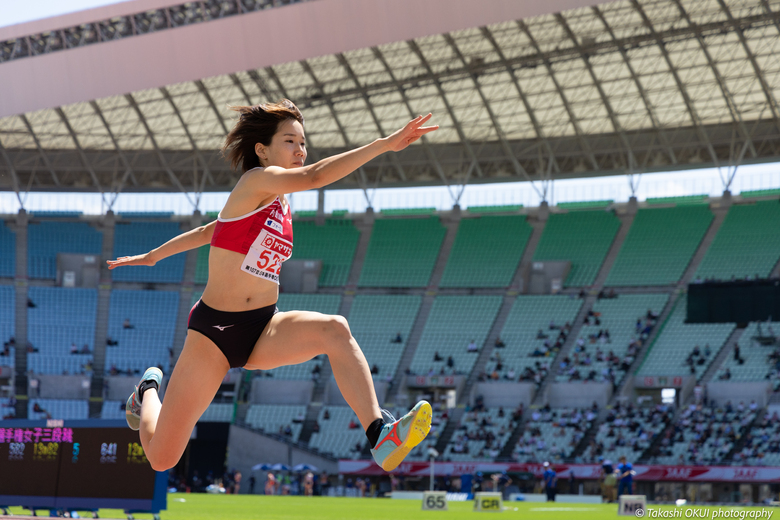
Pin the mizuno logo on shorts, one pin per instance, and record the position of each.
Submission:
(222, 327)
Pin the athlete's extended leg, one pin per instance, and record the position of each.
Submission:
(293, 337)
(166, 427)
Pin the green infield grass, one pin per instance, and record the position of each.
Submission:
(239, 507)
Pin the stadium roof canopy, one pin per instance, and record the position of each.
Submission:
(133, 97)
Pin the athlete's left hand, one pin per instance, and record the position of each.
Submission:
(144, 259)
(413, 130)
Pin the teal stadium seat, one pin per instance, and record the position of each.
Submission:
(676, 341)
(583, 237)
(402, 252)
(375, 320)
(453, 322)
(61, 317)
(527, 316)
(486, 251)
(659, 245)
(153, 317)
(271, 417)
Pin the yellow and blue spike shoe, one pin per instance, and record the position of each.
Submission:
(133, 405)
(398, 438)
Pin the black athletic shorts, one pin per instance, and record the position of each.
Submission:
(234, 333)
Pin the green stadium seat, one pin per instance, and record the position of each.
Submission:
(583, 237)
(659, 245)
(334, 243)
(402, 252)
(747, 243)
(486, 251)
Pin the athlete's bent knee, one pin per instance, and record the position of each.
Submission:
(337, 330)
(162, 461)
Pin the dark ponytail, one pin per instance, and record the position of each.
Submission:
(256, 124)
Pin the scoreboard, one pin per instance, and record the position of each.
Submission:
(77, 467)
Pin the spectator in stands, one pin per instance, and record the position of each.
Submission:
(85, 349)
(707, 350)
(397, 338)
(450, 362)
(74, 349)
(472, 347)
(326, 414)
(736, 352)
(315, 372)
(374, 369)
(437, 356)
(127, 325)
(541, 335)
(31, 304)
(510, 375)
(499, 343)
(110, 342)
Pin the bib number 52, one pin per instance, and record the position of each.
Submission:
(267, 263)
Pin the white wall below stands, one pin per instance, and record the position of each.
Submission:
(579, 395)
(267, 390)
(53, 386)
(333, 395)
(722, 391)
(247, 448)
(508, 395)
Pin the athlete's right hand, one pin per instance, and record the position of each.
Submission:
(144, 259)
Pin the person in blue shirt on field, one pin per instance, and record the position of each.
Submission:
(550, 481)
(625, 477)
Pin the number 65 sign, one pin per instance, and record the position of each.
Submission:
(434, 501)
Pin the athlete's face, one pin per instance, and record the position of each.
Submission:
(287, 148)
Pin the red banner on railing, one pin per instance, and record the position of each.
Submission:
(581, 471)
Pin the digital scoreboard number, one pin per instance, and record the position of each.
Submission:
(68, 467)
(106, 463)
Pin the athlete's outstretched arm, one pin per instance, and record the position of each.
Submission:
(197, 237)
(277, 180)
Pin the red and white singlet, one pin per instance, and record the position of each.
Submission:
(265, 236)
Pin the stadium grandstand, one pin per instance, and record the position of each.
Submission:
(553, 331)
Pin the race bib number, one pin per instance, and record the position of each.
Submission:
(266, 255)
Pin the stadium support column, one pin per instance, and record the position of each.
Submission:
(20, 326)
(543, 213)
(633, 206)
(320, 218)
(725, 200)
(107, 226)
(186, 290)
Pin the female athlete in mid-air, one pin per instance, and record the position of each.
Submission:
(236, 322)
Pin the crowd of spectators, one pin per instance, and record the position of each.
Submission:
(553, 434)
(704, 435)
(628, 431)
(762, 443)
(592, 358)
